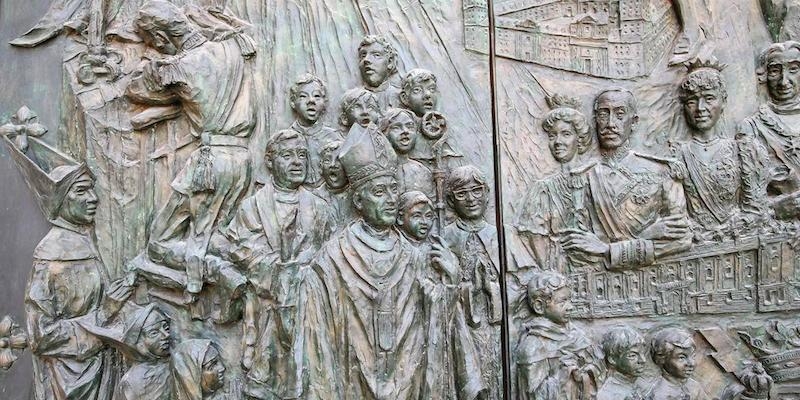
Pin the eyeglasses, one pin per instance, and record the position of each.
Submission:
(476, 192)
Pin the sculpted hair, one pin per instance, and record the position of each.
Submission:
(576, 119)
(630, 99)
(330, 147)
(416, 77)
(761, 68)
(350, 98)
(410, 199)
(305, 79)
(617, 341)
(666, 341)
(390, 116)
(280, 137)
(464, 175)
(388, 49)
(702, 79)
(543, 284)
(159, 15)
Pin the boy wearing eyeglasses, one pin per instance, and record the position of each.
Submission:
(474, 241)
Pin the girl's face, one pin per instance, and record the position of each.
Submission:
(213, 377)
(363, 112)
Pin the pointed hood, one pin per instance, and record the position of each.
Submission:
(48, 172)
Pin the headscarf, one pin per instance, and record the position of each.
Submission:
(187, 368)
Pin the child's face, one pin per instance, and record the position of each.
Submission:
(418, 220)
(632, 362)
(332, 171)
(470, 200)
(310, 103)
(402, 133)
(680, 363)
(558, 307)
(213, 375)
(422, 97)
(363, 112)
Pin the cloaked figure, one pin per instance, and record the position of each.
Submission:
(474, 241)
(197, 370)
(273, 237)
(69, 291)
(365, 292)
(451, 342)
(555, 360)
(143, 336)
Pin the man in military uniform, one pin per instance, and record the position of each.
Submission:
(637, 208)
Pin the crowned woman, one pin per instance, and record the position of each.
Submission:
(554, 204)
(723, 178)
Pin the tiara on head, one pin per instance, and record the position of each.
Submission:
(563, 101)
(704, 63)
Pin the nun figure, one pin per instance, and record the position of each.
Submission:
(197, 370)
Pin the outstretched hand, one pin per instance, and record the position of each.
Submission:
(585, 242)
(673, 227)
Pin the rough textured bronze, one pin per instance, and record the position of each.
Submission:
(290, 200)
(287, 202)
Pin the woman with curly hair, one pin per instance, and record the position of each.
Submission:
(554, 205)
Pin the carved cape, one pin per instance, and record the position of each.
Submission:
(273, 236)
(366, 315)
(65, 292)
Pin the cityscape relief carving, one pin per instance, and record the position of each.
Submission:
(650, 216)
(228, 224)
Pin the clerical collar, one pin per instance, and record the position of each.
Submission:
(81, 229)
(613, 157)
(193, 40)
(284, 195)
(306, 130)
(372, 238)
(473, 226)
(674, 380)
(789, 107)
(337, 191)
(622, 377)
(384, 85)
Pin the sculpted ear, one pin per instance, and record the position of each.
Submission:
(538, 306)
(404, 98)
(358, 202)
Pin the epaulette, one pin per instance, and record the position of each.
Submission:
(674, 166)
